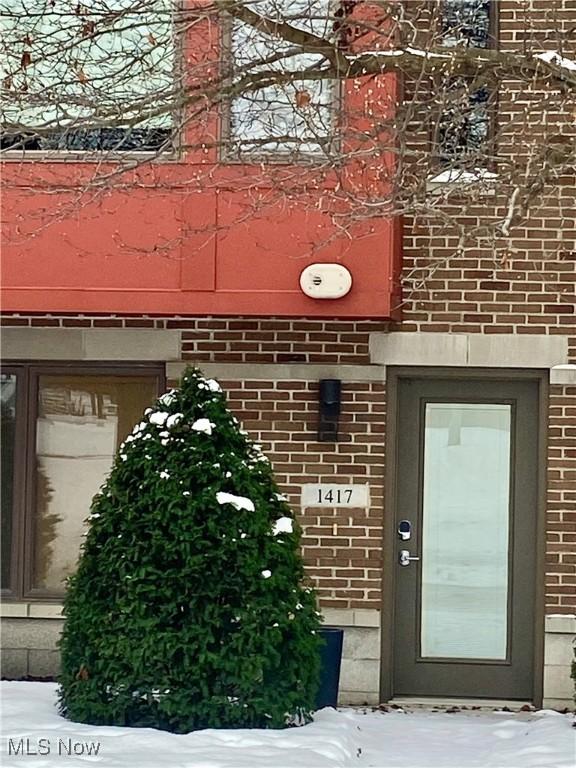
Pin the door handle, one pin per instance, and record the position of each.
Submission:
(404, 558)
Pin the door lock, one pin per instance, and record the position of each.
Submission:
(404, 558)
(404, 530)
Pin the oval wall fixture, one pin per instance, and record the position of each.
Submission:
(325, 281)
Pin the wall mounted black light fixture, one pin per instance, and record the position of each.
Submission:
(329, 398)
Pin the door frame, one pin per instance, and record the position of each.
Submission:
(394, 374)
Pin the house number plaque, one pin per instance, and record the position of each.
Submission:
(335, 495)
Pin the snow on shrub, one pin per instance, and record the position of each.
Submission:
(188, 609)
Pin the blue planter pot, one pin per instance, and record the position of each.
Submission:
(331, 657)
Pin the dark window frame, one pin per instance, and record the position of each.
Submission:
(118, 136)
(24, 494)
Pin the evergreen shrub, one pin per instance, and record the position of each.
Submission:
(188, 608)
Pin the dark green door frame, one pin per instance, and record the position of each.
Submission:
(395, 376)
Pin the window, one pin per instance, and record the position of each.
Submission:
(467, 22)
(67, 65)
(464, 127)
(61, 427)
(293, 118)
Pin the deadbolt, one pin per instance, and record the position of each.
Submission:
(404, 530)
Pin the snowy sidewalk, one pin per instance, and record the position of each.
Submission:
(33, 734)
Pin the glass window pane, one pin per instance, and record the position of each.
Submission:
(109, 62)
(465, 530)
(466, 22)
(81, 422)
(295, 117)
(8, 429)
(464, 128)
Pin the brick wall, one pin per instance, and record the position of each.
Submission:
(522, 284)
(239, 340)
(342, 547)
(532, 291)
(282, 416)
(561, 512)
(525, 285)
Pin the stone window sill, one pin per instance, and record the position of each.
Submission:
(30, 610)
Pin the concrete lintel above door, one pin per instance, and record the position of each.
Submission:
(469, 349)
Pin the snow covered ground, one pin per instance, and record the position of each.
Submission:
(31, 725)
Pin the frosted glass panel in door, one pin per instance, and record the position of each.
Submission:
(465, 530)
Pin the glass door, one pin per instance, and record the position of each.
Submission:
(465, 548)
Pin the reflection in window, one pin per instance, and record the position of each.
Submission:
(67, 64)
(293, 118)
(93, 140)
(81, 422)
(464, 128)
(465, 530)
(466, 22)
(8, 430)
(464, 125)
